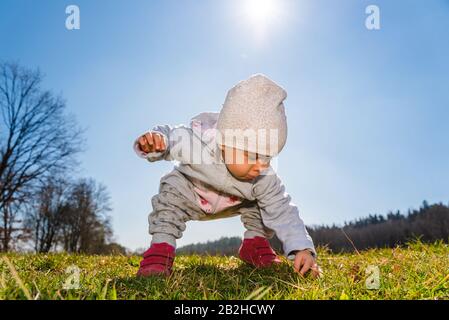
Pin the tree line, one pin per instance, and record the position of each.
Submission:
(429, 223)
(224, 246)
(40, 207)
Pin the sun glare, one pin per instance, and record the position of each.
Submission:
(261, 14)
(260, 11)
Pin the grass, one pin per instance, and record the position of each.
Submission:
(419, 271)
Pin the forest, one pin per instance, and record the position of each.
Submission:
(429, 223)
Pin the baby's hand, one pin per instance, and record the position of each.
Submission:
(304, 262)
(152, 142)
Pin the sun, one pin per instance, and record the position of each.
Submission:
(261, 15)
(260, 11)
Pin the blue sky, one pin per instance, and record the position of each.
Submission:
(367, 110)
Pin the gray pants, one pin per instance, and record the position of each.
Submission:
(175, 204)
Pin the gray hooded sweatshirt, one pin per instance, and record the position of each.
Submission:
(199, 159)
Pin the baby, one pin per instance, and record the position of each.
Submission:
(223, 169)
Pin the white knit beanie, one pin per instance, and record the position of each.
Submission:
(255, 106)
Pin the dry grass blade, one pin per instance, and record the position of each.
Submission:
(258, 294)
(2, 281)
(446, 278)
(349, 239)
(288, 283)
(38, 291)
(16, 277)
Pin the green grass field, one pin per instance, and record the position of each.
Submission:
(418, 271)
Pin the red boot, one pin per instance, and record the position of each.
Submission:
(158, 260)
(258, 252)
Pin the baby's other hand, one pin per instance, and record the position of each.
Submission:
(151, 142)
(305, 262)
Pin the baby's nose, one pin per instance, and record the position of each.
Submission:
(263, 165)
(260, 166)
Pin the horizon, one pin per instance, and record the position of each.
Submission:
(367, 109)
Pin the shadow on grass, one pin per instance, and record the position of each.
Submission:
(203, 280)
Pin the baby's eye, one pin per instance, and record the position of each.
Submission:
(252, 157)
(263, 158)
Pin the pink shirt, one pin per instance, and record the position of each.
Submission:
(211, 201)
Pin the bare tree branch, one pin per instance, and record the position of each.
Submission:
(37, 138)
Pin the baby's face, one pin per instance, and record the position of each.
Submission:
(244, 165)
